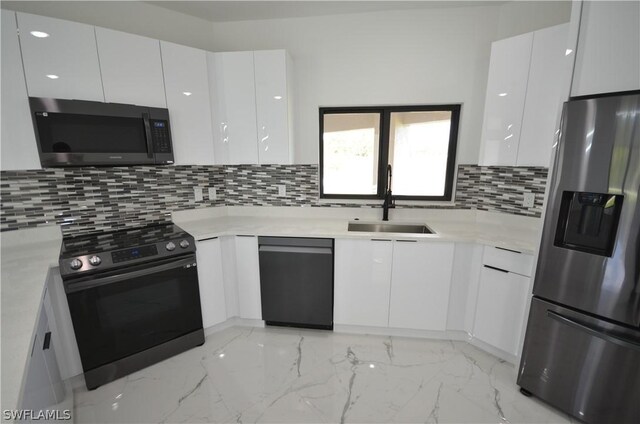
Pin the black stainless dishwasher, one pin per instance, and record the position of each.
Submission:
(296, 281)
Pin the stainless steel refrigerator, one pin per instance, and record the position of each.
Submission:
(582, 346)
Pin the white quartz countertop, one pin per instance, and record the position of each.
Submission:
(508, 231)
(27, 255)
(26, 258)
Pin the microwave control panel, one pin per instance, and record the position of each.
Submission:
(161, 136)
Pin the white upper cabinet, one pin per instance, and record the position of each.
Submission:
(232, 86)
(362, 282)
(18, 143)
(546, 90)
(131, 68)
(608, 56)
(61, 59)
(420, 282)
(272, 106)
(504, 103)
(187, 88)
(528, 81)
(251, 102)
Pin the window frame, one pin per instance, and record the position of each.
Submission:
(383, 148)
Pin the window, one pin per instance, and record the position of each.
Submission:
(357, 144)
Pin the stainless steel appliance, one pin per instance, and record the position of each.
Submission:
(82, 133)
(296, 281)
(582, 346)
(134, 298)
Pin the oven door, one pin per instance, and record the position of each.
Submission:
(121, 313)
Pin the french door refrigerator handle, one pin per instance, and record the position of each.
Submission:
(594, 331)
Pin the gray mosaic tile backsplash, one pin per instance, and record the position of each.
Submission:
(85, 200)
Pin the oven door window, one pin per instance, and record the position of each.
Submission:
(115, 320)
(71, 133)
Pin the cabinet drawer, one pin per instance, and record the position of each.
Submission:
(509, 260)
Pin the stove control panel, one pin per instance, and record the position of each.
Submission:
(133, 253)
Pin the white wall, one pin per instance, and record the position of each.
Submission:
(419, 56)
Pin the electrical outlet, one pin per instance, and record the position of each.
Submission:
(212, 193)
(282, 190)
(529, 198)
(197, 194)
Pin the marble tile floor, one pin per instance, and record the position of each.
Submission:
(282, 375)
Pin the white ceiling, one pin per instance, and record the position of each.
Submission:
(240, 10)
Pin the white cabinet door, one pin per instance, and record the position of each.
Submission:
(38, 391)
(211, 281)
(502, 298)
(131, 68)
(187, 88)
(362, 282)
(248, 275)
(546, 87)
(272, 107)
(233, 99)
(68, 55)
(420, 282)
(608, 56)
(504, 103)
(18, 143)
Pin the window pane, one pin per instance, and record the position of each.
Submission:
(418, 150)
(350, 153)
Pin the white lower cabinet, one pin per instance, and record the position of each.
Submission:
(420, 283)
(502, 299)
(398, 284)
(362, 281)
(211, 281)
(248, 277)
(43, 386)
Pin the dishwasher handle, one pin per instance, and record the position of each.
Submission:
(296, 249)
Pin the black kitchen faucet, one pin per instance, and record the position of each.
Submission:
(388, 197)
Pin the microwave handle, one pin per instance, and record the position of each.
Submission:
(147, 133)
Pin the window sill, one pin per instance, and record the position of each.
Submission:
(379, 202)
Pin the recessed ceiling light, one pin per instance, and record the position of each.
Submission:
(187, 93)
(277, 97)
(52, 76)
(502, 94)
(568, 52)
(39, 34)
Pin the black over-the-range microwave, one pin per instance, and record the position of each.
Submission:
(84, 133)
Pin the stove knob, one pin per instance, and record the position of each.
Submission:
(170, 246)
(184, 244)
(95, 260)
(75, 264)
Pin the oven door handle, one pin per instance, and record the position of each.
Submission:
(92, 282)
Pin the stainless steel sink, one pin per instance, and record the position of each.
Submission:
(380, 227)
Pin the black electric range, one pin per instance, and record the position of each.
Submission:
(133, 296)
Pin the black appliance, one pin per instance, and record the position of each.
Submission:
(582, 346)
(133, 296)
(296, 281)
(84, 133)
